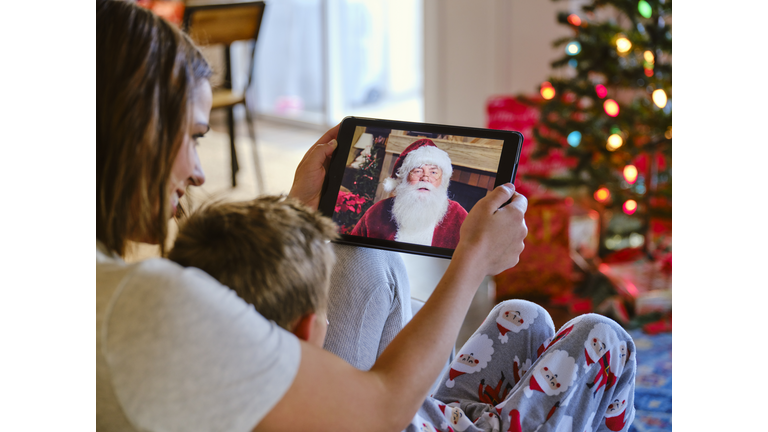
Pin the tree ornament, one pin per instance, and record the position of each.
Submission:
(574, 20)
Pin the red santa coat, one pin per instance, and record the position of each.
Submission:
(378, 222)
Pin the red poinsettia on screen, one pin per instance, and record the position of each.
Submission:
(348, 210)
(349, 202)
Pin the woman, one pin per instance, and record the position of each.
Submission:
(176, 350)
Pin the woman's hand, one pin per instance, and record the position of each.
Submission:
(492, 237)
(308, 181)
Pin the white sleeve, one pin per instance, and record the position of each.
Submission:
(185, 353)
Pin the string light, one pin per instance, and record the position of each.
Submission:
(630, 206)
(573, 48)
(648, 56)
(573, 63)
(668, 133)
(601, 91)
(602, 194)
(574, 20)
(547, 91)
(574, 138)
(614, 141)
(623, 44)
(659, 98)
(611, 107)
(630, 174)
(648, 72)
(644, 8)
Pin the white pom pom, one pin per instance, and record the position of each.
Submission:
(450, 383)
(389, 184)
(503, 338)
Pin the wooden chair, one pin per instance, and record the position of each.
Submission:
(223, 24)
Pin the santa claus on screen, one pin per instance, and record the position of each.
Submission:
(420, 212)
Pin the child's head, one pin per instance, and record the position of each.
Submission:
(273, 252)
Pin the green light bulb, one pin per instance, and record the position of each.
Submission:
(644, 8)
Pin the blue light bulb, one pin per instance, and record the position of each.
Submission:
(574, 138)
(573, 48)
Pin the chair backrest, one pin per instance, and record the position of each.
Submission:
(223, 23)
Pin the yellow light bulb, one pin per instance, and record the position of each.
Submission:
(630, 173)
(668, 133)
(614, 141)
(547, 92)
(630, 206)
(602, 194)
(648, 56)
(623, 44)
(659, 98)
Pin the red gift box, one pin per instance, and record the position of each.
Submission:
(545, 265)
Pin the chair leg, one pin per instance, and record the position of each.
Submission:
(232, 149)
(255, 151)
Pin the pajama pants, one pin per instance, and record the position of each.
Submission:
(514, 374)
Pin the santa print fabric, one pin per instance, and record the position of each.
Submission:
(378, 222)
(516, 374)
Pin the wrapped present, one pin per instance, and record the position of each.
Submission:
(510, 113)
(545, 265)
(644, 283)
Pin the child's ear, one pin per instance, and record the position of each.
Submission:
(303, 328)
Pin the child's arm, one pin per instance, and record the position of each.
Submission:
(329, 394)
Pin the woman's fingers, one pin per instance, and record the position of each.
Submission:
(496, 234)
(310, 174)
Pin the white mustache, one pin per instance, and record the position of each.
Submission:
(425, 185)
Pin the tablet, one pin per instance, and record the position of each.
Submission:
(407, 187)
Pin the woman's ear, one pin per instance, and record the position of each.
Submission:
(304, 327)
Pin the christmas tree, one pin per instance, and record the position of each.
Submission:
(608, 109)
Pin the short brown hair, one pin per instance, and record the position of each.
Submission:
(146, 73)
(274, 252)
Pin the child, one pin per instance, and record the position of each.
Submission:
(273, 252)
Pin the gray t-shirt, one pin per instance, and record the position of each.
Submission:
(176, 350)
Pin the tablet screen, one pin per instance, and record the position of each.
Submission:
(409, 187)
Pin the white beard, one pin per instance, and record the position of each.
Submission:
(417, 213)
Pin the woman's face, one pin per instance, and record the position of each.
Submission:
(186, 169)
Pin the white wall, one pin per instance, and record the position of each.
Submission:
(475, 50)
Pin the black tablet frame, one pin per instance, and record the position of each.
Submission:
(505, 173)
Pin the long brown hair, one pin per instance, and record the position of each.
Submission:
(146, 72)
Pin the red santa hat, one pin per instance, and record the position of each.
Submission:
(452, 374)
(616, 423)
(421, 152)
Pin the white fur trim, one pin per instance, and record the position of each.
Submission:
(426, 155)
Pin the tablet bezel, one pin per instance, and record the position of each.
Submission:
(505, 172)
